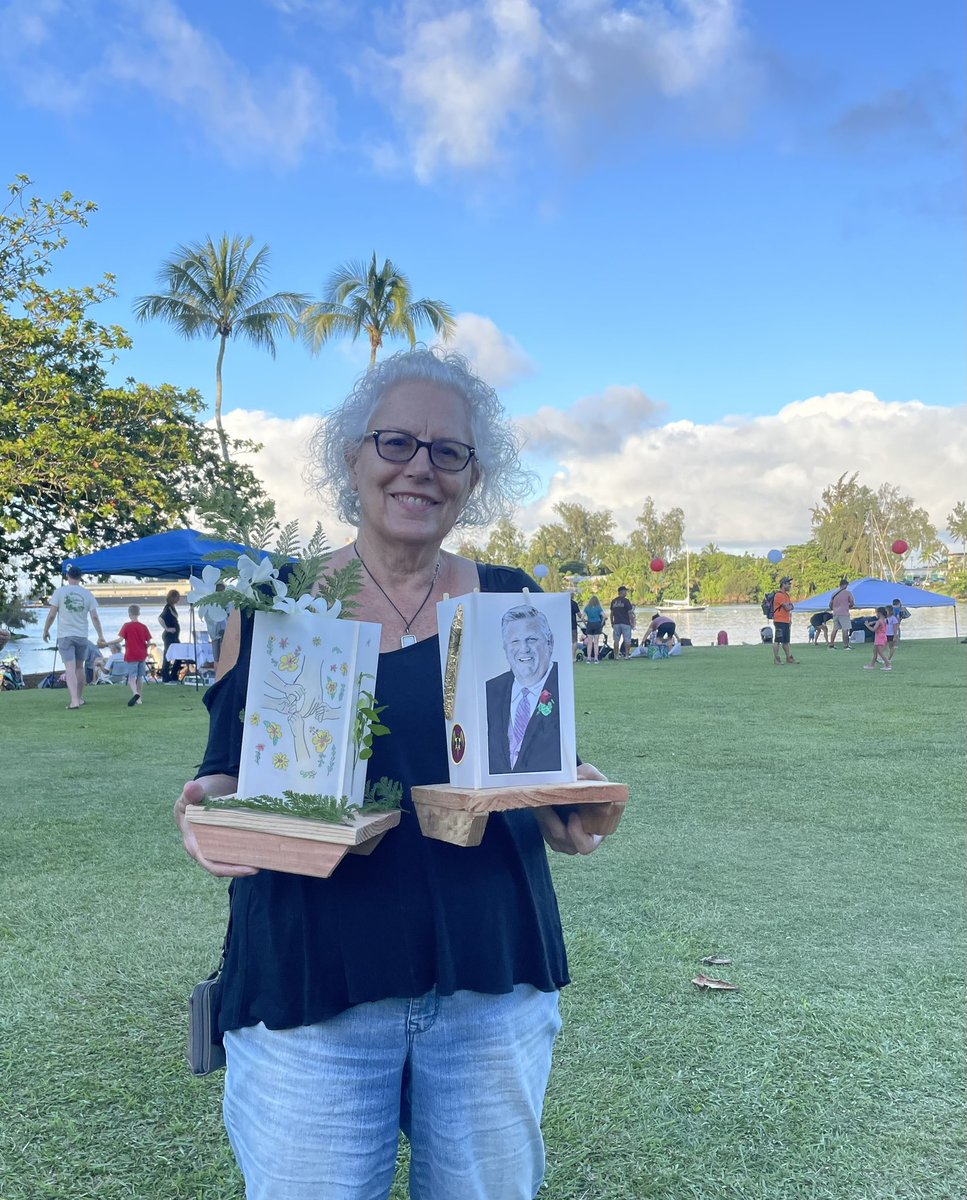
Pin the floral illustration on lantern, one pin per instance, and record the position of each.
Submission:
(321, 739)
(302, 682)
(291, 662)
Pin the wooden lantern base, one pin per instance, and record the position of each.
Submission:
(279, 843)
(459, 815)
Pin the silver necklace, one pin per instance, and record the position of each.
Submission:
(407, 639)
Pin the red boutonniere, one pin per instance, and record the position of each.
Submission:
(545, 703)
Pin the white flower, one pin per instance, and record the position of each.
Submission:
(286, 604)
(253, 573)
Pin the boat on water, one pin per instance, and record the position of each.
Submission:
(685, 604)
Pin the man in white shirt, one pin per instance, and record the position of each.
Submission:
(72, 605)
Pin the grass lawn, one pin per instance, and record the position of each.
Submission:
(807, 822)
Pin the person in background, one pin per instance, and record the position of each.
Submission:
(576, 616)
(594, 625)
(900, 613)
(170, 634)
(72, 606)
(115, 660)
(622, 623)
(818, 627)
(879, 627)
(840, 603)
(437, 1012)
(95, 664)
(661, 631)
(782, 622)
(137, 638)
(215, 622)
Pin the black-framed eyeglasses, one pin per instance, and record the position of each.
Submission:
(395, 446)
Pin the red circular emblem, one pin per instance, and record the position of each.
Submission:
(458, 744)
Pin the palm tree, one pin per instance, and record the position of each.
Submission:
(215, 290)
(360, 297)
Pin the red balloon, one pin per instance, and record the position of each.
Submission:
(900, 546)
(658, 564)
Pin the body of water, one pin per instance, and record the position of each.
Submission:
(37, 655)
(741, 622)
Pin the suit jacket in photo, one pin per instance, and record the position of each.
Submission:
(541, 748)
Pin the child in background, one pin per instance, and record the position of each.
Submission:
(879, 640)
(892, 631)
(901, 612)
(136, 638)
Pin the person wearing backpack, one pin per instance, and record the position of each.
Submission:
(782, 621)
(841, 602)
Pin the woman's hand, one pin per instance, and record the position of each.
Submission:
(194, 792)
(570, 838)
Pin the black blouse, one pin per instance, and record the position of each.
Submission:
(168, 617)
(416, 912)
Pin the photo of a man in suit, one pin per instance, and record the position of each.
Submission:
(523, 704)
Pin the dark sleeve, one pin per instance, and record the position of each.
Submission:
(225, 702)
(505, 579)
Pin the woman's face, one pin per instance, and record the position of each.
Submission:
(414, 502)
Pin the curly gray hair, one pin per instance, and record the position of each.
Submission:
(338, 437)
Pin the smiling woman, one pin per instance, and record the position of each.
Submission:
(444, 995)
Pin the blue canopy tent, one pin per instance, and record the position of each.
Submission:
(872, 593)
(173, 555)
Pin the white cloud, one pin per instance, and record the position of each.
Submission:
(281, 464)
(592, 427)
(750, 482)
(494, 355)
(66, 57)
(273, 116)
(744, 483)
(464, 82)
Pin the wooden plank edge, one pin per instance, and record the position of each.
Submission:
(487, 800)
(362, 829)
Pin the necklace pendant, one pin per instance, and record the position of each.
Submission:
(408, 639)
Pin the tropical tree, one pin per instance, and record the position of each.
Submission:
(854, 525)
(83, 465)
(216, 290)
(957, 525)
(658, 534)
(375, 300)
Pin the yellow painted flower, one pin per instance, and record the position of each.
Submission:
(322, 740)
(274, 731)
(255, 718)
(280, 762)
(289, 662)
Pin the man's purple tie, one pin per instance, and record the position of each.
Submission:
(521, 717)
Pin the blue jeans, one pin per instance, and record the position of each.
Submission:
(315, 1113)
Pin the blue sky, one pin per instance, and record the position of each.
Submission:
(710, 251)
